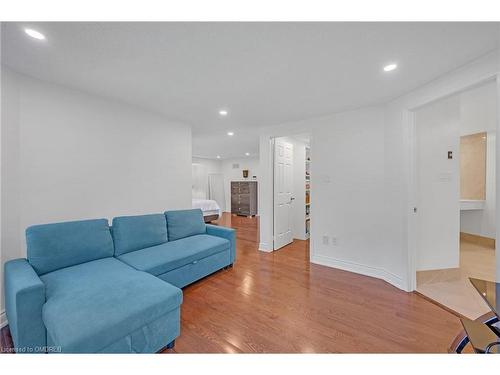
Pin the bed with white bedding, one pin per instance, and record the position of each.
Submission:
(210, 208)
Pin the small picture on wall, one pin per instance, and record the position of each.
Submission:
(245, 173)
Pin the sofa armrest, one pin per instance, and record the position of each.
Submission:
(24, 299)
(227, 233)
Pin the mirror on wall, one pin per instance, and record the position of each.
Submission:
(473, 166)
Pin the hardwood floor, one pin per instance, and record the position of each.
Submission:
(5, 341)
(280, 303)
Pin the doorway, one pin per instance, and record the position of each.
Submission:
(291, 189)
(455, 223)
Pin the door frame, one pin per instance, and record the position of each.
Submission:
(409, 122)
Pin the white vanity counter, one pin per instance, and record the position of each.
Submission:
(470, 204)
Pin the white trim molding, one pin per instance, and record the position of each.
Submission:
(361, 269)
(264, 246)
(3, 319)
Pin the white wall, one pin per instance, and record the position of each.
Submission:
(67, 155)
(438, 186)
(383, 244)
(478, 109)
(3, 116)
(347, 191)
(201, 168)
(210, 165)
(236, 174)
(478, 113)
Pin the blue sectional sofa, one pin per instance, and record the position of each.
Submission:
(86, 287)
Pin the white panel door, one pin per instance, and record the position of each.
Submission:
(438, 189)
(283, 186)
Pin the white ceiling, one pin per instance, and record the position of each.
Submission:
(264, 73)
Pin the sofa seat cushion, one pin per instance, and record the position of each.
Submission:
(171, 255)
(92, 305)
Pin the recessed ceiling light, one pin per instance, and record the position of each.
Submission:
(390, 67)
(218, 156)
(34, 34)
(230, 133)
(223, 112)
(247, 153)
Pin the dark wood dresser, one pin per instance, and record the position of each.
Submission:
(244, 198)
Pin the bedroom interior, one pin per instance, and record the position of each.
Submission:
(249, 187)
(213, 184)
(231, 185)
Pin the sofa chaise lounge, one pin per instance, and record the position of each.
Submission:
(86, 287)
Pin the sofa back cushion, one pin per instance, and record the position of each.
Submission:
(60, 245)
(184, 223)
(131, 233)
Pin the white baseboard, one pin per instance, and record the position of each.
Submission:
(362, 269)
(3, 319)
(263, 246)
